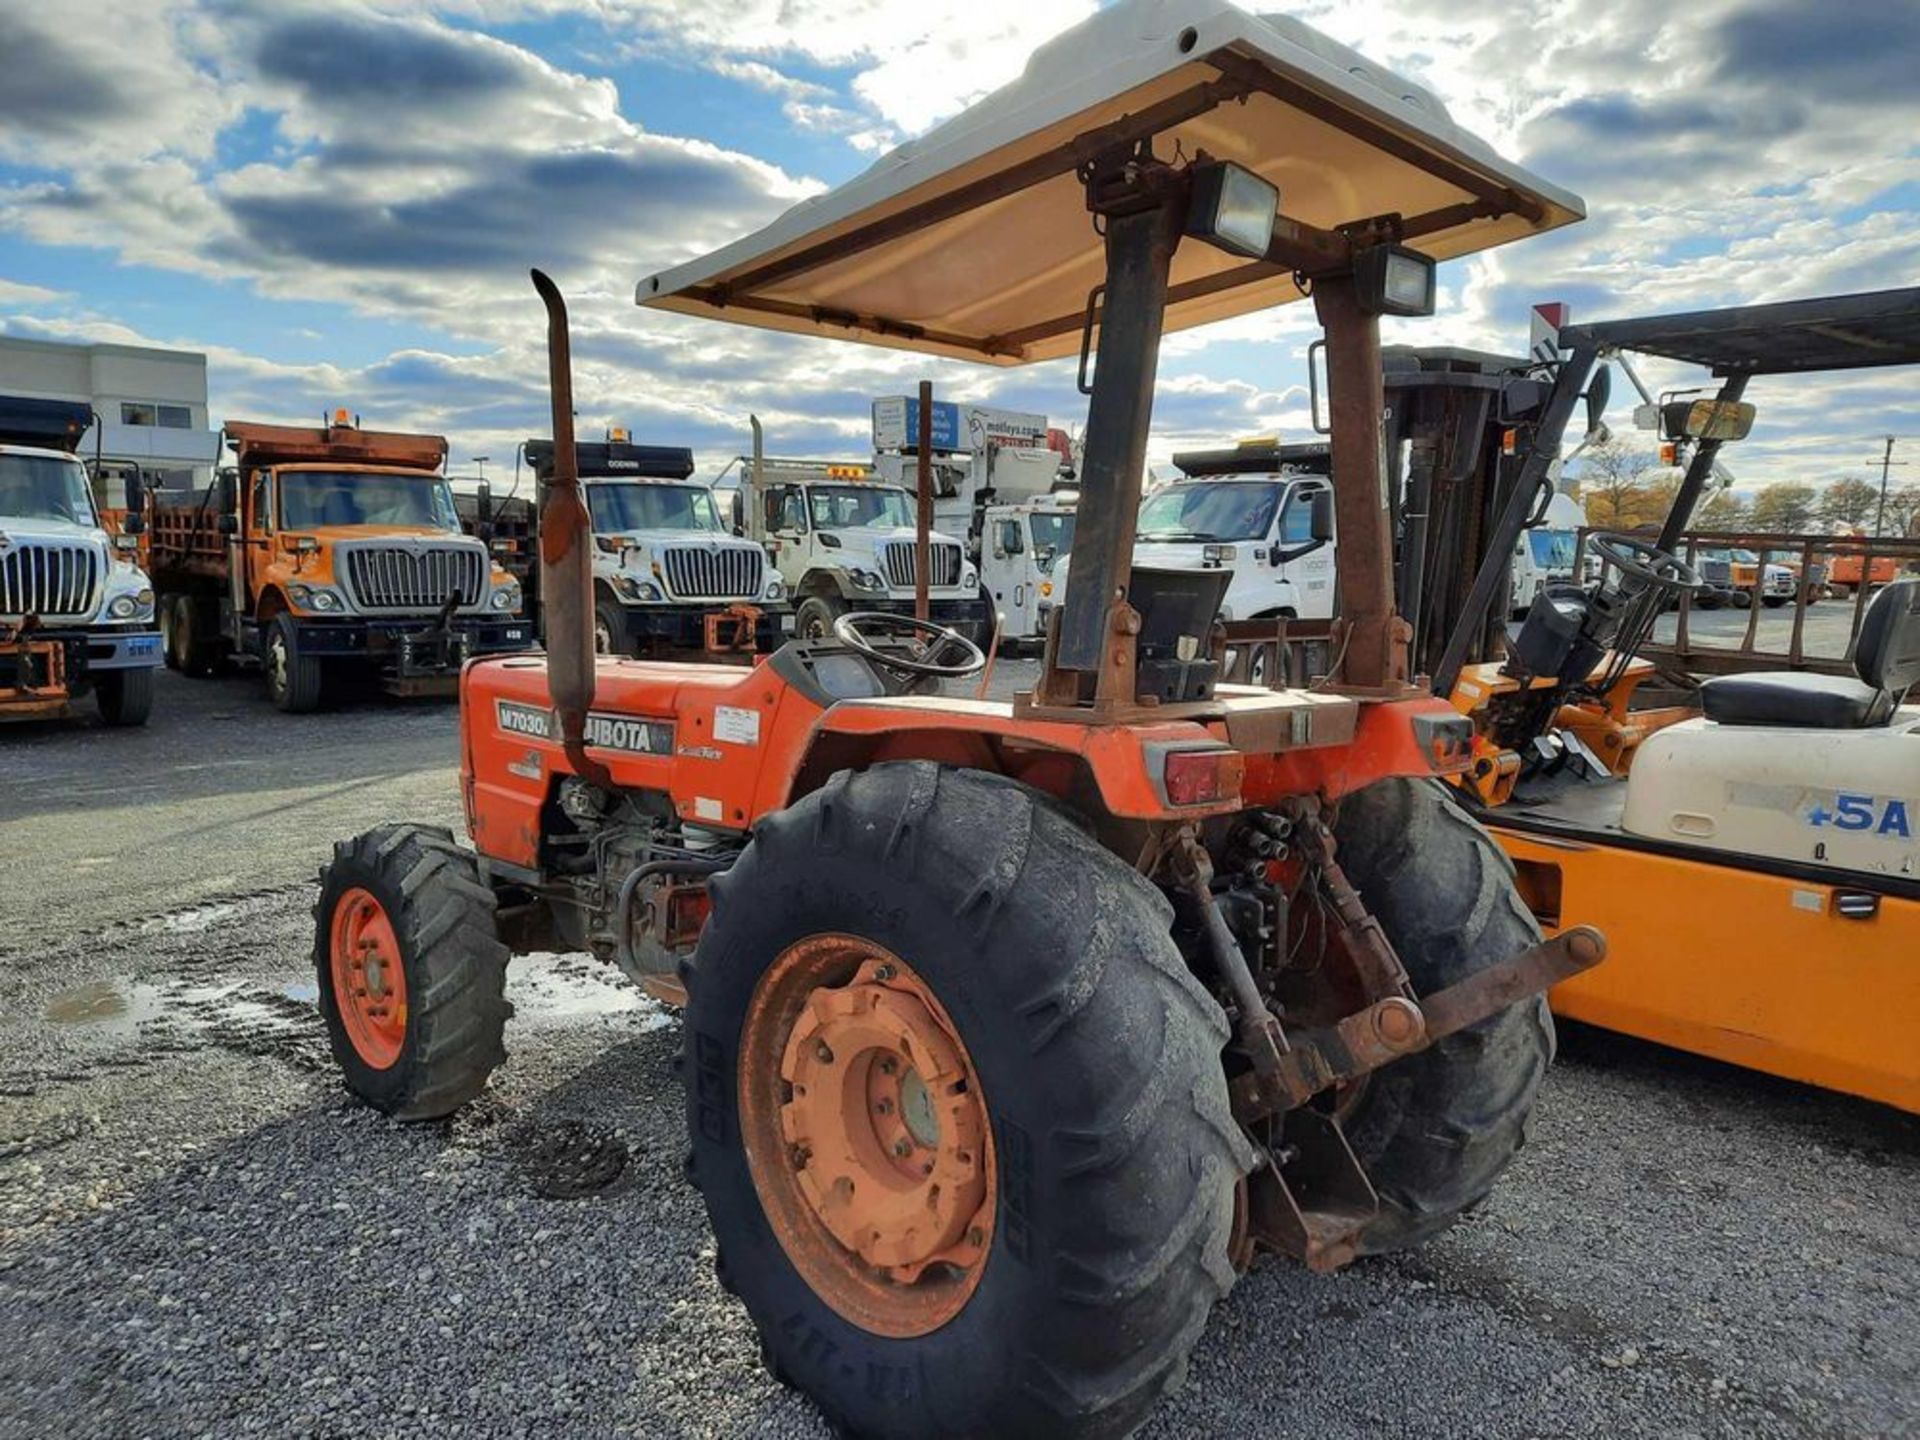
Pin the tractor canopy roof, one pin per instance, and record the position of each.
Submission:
(1835, 332)
(975, 240)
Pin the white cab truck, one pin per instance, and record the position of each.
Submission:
(669, 574)
(843, 540)
(76, 610)
(1544, 553)
(1020, 548)
(980, 457)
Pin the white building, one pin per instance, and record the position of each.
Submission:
(151, 404)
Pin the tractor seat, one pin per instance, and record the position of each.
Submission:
(1886, 658)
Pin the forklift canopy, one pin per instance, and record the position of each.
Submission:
(975, 240)
(1834, 332)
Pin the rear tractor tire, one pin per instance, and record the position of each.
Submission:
(1435, 1129)
(125, 697)
(957, 1112)
(412, 975)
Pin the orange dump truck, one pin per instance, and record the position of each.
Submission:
(325, 548)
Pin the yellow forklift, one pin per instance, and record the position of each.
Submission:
(1754, 855)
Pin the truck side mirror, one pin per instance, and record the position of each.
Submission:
(136, 486)
(1599, 392)
(1321, 517)
(229, 524)
(134, 524)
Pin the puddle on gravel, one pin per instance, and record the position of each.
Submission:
(186, 922)
(558, 990)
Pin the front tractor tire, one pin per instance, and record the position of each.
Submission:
(1435, 1129)
(957, 1112)
(412, 976)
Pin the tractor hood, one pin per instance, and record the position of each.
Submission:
(975, 241)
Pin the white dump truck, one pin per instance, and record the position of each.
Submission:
(1545, 553)
(76, 610)
(1021, 547)
(843, 539)
(669, 574)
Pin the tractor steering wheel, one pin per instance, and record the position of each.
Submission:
(1646, 562)
(931, 640)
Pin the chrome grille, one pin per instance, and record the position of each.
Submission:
(725, 573)
(52, 581)
(898, 558)
(395, 577)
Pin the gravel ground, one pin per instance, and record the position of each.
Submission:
(201, 1236)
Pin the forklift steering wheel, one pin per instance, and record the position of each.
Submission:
(1646, 562)
(851, 631)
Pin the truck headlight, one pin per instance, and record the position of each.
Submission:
(506, 597)
(775, 590)
(969, 578)
(127, 607)
(631, 589)
(867, 579)
(1219, 554)
(315, 597)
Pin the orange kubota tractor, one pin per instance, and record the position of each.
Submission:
(1014, 1031)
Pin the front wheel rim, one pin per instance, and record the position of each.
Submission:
(369, 977)
(867, 1135)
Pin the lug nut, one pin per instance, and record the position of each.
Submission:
(883, 1107)
(887, 1065)
(822, 1053)
(883, 972)
(903, 1147)
(976, 1237)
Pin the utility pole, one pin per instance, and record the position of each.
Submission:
(1887, 463)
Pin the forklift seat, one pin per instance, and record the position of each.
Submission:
(1886, 658)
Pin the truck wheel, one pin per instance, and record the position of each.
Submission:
(608, 623)
(190, 649)
(293, 679)
(1435, 1129)
(957, 1112)
(125, 697)
(814, 619)
(412, 976)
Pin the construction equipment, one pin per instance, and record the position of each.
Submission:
(76, 610)
(668, 575)
(1014, 1030)
(1753, 859)
(330, 547)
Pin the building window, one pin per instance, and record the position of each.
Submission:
(136, 414)
(175, 417)
(167, 417)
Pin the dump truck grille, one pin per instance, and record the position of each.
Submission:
(729, 573)
(897, 556)
(55, 582)
(394, 577)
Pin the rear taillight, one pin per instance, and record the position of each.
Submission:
(1200, 777)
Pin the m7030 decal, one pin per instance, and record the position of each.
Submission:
(604, 731)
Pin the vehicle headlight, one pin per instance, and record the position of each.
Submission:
(315, 597)
(867, 579)
(506, 597)
(126, 607)
(632, 589)
(969, 577)
(775, 589)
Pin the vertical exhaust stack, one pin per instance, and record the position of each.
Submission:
(566, 562)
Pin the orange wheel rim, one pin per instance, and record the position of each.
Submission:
(867, 1135)
(369, 980)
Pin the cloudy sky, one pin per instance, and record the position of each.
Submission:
(339, 201)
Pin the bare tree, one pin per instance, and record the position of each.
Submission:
(1850, 502)
(1613, 484)
(1783, 508)
(1725, 511)
(1903, 510)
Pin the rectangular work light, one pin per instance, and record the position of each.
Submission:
(1393, 280)
(1233, 208)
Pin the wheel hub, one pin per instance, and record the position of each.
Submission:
(878, 1173)
(369, 983)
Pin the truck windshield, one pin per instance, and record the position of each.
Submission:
(43, 487)
(850, 507)
(1553, 549)
(631, 506)
(1217, 510)
(310, 498)
(1052, 535)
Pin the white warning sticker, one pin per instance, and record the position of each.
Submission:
(736, 726)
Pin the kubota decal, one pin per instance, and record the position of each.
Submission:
(603, 732)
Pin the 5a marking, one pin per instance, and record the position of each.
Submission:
(1863, 813)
